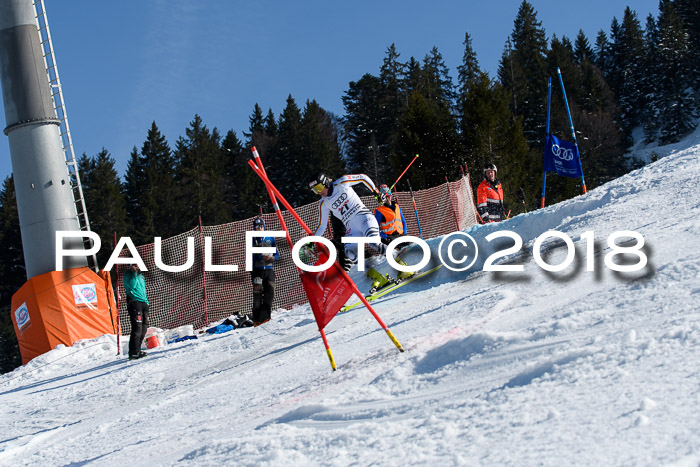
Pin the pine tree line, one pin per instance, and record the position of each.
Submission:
(631, 77)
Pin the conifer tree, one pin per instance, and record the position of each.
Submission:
(244, 192)
(582, 48)
(412, 78)
(522, 71)
(263, 134)
(135, 194)
(676, 103)
(469, 70)
(286, 173)
(689, 12)
(392, 76)
(492, 135)
(366, 130)
(428, 129)
(601, 147)
(150, 185)
(12, 270)
(373, 110)
(12, 274)
(561, 55)
(468, 74)
(270, 124)
(200, 176)
(593, 93)
(613, 70)
(651, 80)
(435, 83)
(10, 356)
(321, 149)
(470, 77)
(258, 137)
(257, 121)
(104, 200)
(602, 52)
(429, 126)
(629, 64)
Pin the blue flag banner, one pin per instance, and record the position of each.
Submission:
(562, 157)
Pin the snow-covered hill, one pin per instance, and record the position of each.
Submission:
(574, 367)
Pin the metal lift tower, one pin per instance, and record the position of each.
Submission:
(44, 183)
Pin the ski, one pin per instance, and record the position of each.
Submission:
(380, 293)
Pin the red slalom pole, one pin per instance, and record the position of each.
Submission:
(276, 207)
(356, 291)
(404, 171)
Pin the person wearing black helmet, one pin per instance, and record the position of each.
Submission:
(263, 276)
(489, 196)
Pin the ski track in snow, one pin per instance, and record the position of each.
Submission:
(526, 368)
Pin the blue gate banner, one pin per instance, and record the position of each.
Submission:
(562, 157)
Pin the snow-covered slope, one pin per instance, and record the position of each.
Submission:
(501, 368)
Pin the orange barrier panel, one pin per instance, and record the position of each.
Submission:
(61, 307)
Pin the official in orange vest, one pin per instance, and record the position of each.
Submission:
(489, 196)
(391, 221)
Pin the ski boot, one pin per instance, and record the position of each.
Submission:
(402, 276)
(379, 281)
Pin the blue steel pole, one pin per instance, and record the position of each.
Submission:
(415, 209)
(573, 133)
(549, 104)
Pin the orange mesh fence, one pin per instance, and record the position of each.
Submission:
(198, 298)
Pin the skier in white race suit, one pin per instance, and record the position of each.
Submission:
(339, 199)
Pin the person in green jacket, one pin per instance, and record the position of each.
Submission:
(137, 306)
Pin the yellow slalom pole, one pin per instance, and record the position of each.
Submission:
(393, 339)
(357, 292)
(328, 349)
(330, 357)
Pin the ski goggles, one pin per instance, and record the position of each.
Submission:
(317, 187)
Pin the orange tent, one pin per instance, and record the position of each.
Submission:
(62, 307)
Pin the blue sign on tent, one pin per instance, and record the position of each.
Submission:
(562, 157)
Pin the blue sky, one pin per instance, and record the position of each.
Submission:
(125, 64)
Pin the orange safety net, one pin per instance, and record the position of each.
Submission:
(62, 307)
(197, 298)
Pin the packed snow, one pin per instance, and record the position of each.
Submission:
(575, 367)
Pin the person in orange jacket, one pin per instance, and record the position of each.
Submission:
(392, 223)
(489, 196)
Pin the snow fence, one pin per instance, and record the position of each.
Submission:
(198, 298)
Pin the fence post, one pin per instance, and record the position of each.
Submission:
(454, 212)
(471, 193)
(116, 300)
(204, 272)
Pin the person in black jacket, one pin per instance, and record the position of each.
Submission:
(263, 276)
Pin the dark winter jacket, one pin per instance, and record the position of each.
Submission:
(258, 261)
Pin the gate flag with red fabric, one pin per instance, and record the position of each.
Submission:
(327, 291)
(323, 290)
(562, 157)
